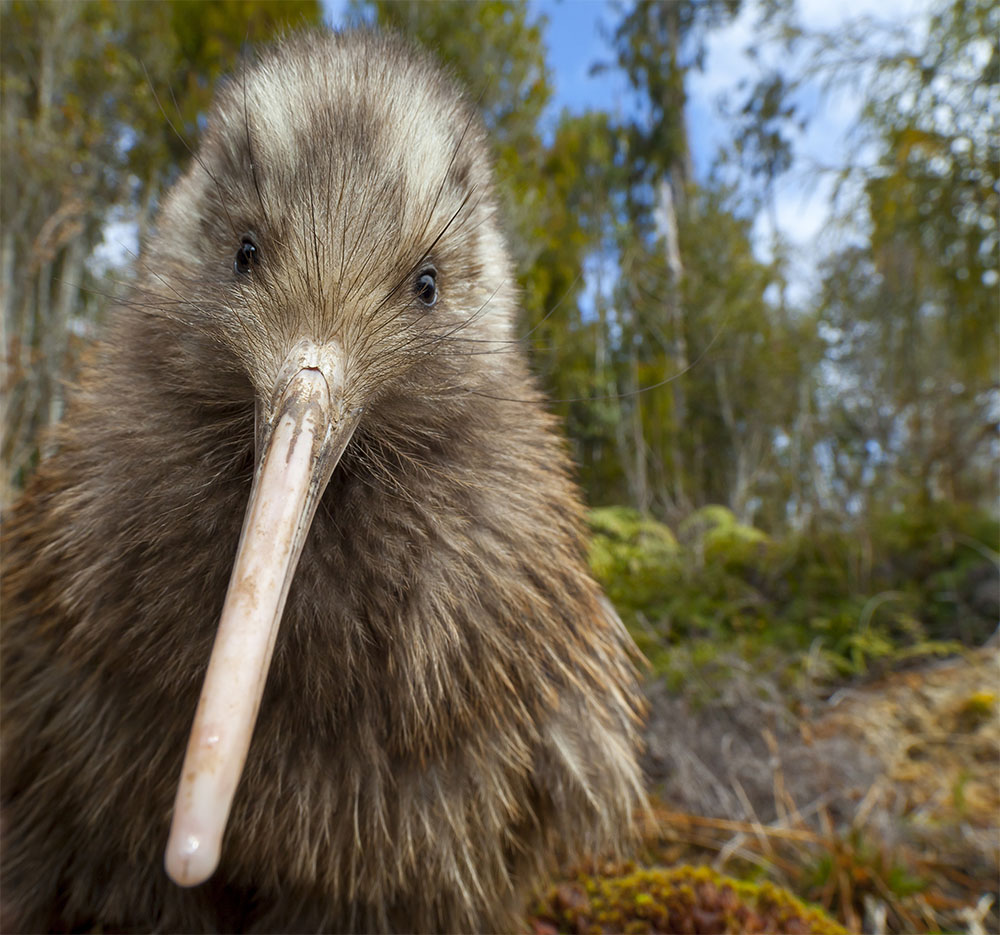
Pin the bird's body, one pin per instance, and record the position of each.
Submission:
(450, 704)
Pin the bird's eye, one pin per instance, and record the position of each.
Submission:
(247, 256)
(426, 287)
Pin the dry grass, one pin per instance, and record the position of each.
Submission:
(881, 804)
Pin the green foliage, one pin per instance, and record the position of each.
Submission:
(721, 537)
(633, 558)
(825, 598)
(678, 899)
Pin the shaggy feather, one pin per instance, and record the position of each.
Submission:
(451, 705)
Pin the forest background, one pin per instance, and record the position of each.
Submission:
(794, 486)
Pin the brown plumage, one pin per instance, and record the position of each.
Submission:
(450, 705)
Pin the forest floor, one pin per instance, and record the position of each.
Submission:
(880, 804)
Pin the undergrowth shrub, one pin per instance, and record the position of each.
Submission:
(842, 601)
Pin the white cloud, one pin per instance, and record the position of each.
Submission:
(822, 14)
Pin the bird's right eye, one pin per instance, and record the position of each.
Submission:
(247, 257)
(426, 286)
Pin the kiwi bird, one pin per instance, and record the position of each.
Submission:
(298, 629)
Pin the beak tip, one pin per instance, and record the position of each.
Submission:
(191, 861)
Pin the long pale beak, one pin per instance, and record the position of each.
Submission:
(300, 445)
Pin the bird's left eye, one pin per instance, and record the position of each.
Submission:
(247, 256)
(426, 287)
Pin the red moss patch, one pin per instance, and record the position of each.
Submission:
(679, 901)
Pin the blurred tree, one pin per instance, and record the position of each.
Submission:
(656, 44)
(912, 316)
(86, 143)
(753, 365)
(764, 123)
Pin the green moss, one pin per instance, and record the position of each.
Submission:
(680, 900)
(977, 709)
(980, 704)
